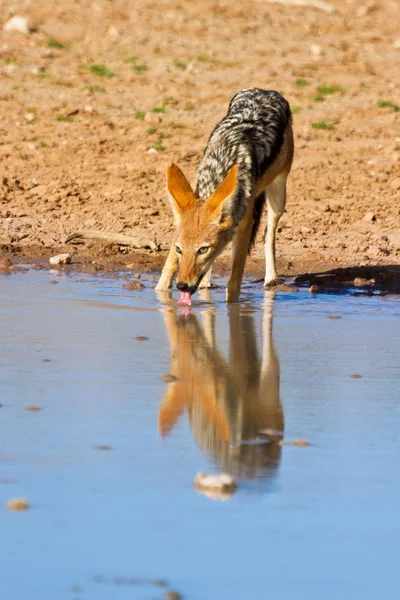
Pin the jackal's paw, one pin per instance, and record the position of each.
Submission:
(272, 283)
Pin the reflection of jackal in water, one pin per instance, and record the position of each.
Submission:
(228, 402)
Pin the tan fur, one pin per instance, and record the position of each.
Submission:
(199, 224)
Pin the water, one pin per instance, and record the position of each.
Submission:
(314, 522)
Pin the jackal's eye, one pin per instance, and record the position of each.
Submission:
(178, 250)
(203, 250)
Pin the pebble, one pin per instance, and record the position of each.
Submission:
(142, 338)
(32, 408)
(314, 289)
(356, 376)
(300, 443)
(134, 285)
(60, 259)
(103, 447)
(17, 504)
(334, 317)
(17, 23)
(221, 482)
(369, 217)
(169, 378)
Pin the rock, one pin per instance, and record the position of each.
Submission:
(103, 447)
(369, 217)
(356, 376)
(315, 49)
(17, 23)
(133, 285)
(17, 504)
(359, 282)
(32, 408)
(314, 289)
(221, 482)
(142, 338)
(169, 378)
(60, 259)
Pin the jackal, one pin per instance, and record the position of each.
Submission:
(247, 159)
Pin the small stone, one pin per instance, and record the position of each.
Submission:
(314, 289)
(315, 49)
(395, 184)
(17, 23)
(356, 376)
(46, 360)
(359, 282)
(300, 443)
(133, 285)
(369, 217)
(60, 259)
(32, 408)
(334, 317)
(53, 282)
(17, 504)
(5, 265)
(103, 447)
(142, 338)
(169, 378)
(221, 482)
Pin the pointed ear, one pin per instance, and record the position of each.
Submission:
(179, 191)
(220, 199)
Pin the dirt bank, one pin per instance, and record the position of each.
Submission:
(98, 98)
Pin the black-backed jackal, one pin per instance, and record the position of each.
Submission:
(247, 159)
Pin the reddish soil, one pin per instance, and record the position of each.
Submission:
(86, 147)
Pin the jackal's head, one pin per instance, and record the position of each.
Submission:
(203, 228)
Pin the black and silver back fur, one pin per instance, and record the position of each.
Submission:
(251, 136)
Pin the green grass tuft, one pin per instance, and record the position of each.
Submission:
(53, 43)
(323, 125)
(327, 90)
(140, 115)
(179, 64)
(64, 119)
(300, 82)
(388, 104)
(158, 145)
(100, 71)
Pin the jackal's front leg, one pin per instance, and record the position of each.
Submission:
(169, 271)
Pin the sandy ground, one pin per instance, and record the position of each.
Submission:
(99, 97)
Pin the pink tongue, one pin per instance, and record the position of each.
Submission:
(185, 298)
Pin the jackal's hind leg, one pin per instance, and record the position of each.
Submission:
(169, 271)
(276, 196)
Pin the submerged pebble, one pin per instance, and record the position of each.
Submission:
(356, 376)
(32, 408)
(300, 443)
(134, 285)
(172, 595)
(142, 338)
(17, 504)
